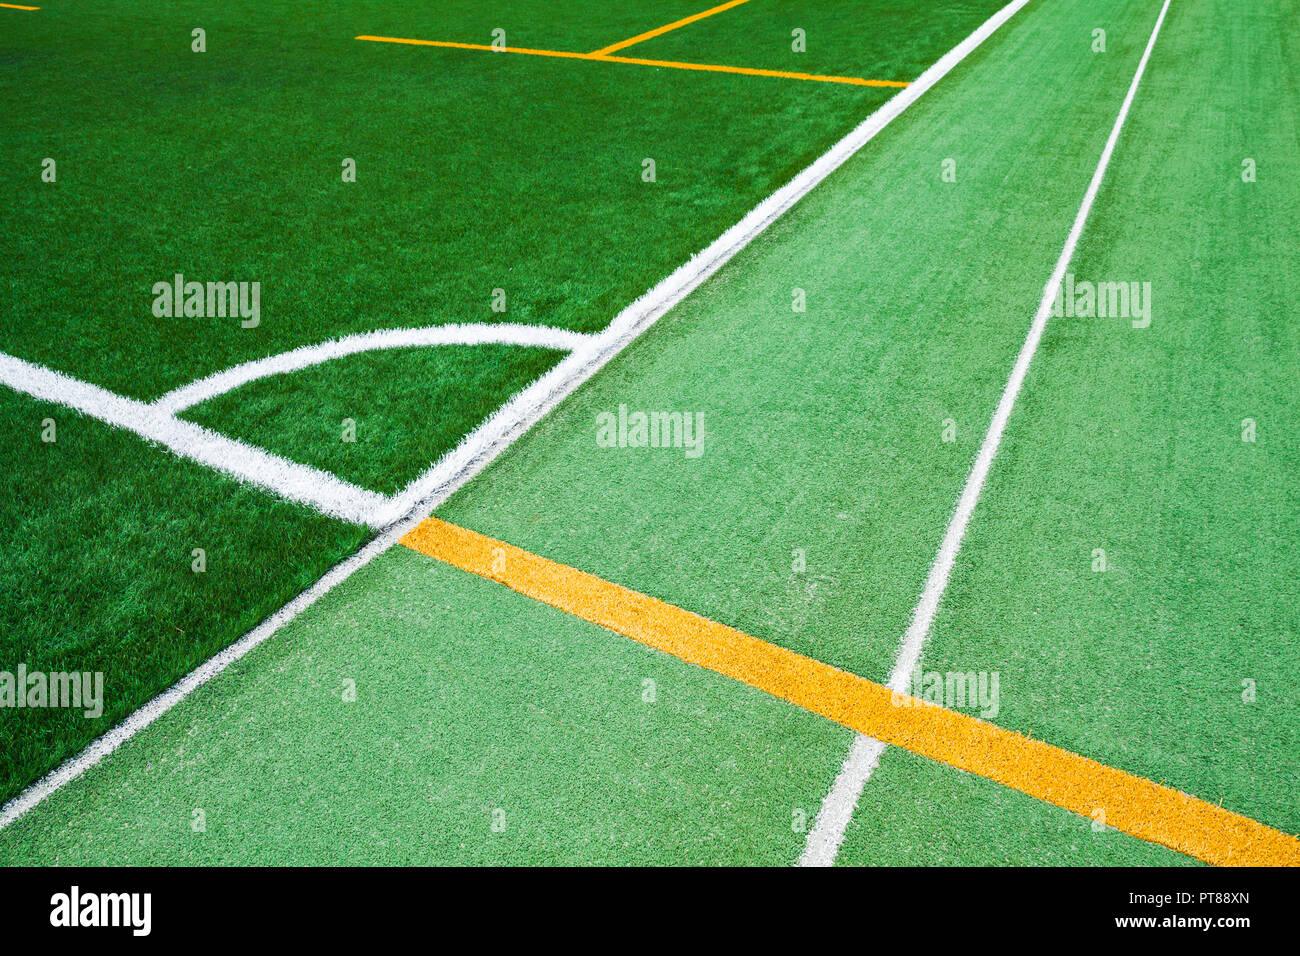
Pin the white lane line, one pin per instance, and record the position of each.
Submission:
(203, 389)
(833, 818)
(482, 445)
(245, 463)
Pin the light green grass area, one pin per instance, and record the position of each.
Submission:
(1129, 440)
(915, 812)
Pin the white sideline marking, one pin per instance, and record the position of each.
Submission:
(203, 389)
(243, 462)
(833, 818)
(513, 419)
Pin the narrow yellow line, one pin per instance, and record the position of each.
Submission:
(671, 26)
(752, 71)
(14, 6)
(672, 64)
(1131, 804)
(480, 46)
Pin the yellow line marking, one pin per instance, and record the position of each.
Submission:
(752, 71)
(1132, 804)
(481, 46)
(604, 51)
(705, 67)
(14, 6)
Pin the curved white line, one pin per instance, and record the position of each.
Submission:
(200, 390)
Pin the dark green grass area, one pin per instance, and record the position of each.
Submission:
(1178, 661)
(486, 729)
(97, 569)
(407, 407)
(475, 171)
(887, 40)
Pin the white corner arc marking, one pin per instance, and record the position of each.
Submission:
(289, 479)
(826, 836)
(325, 492)
(203, 389)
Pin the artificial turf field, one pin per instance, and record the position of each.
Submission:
(488, 727)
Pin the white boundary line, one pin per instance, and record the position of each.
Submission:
(833, 818)
(482, 445)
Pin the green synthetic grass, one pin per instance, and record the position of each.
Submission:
(469, 699)
(835, 451)
(474, 172)
(97, 574)
(823, 435)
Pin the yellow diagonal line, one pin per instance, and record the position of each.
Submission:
(14, 6)
(480, 46)
(671, 64)
(671, 26)
(752, 71)
(1131, 804)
